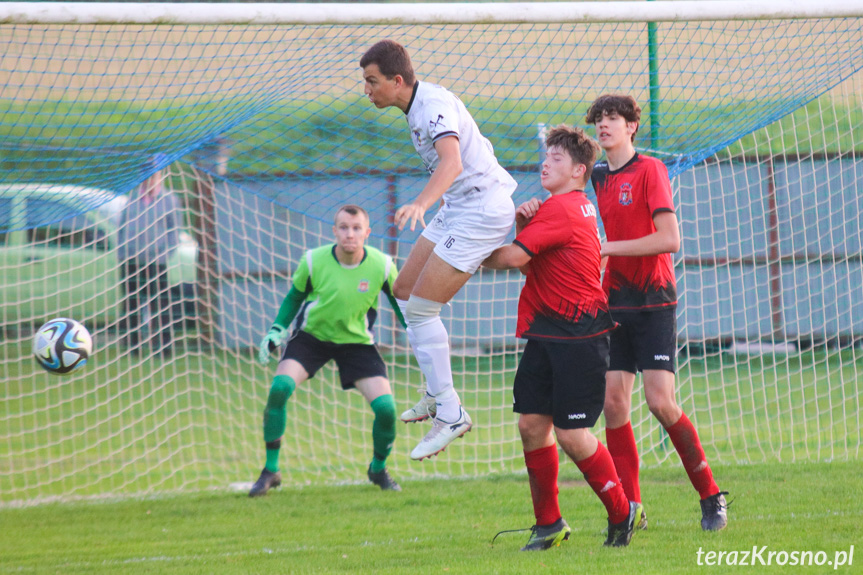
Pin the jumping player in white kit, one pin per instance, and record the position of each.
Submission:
(476, 216)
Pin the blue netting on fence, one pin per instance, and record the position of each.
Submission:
(93, 105)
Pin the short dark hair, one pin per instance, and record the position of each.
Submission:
(620, 104)
(580, 147)
(392, 59)
(353, 210)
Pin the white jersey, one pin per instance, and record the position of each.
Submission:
(435, 112)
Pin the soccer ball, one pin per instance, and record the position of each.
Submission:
(62, 345)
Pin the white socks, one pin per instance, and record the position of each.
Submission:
(430, 343)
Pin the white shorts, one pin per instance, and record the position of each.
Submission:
(465, 234)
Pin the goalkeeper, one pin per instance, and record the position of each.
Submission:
(334, 298)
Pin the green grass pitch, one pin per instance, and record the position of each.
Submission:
(440, 526)
(190, 522)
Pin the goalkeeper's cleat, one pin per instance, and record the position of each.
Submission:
(425, 408)
(265, 482)
(714, 515)
(442, 434)
(544, 537)
(383, 480)
(620, 534)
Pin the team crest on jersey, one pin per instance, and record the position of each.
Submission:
(434, 124)
(418, 139)
(363, 287)
(625, 194)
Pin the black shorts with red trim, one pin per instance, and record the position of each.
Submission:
(646, 339)
(563, 380)
(354, 360)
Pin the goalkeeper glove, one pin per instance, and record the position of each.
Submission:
(275, 338)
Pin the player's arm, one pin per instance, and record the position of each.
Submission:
(508, 257)
(387, 288)
(396, 309)
(279, 332)
(666, 239)
(290, 306)
(449, 151)
(301, 287)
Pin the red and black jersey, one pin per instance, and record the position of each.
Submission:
(628, 199)
(562, 299)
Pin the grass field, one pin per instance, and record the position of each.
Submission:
(441, 526)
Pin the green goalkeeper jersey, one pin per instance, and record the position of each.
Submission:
(341, 302)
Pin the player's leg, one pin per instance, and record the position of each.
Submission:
(150, 272)
(579, 371)
(659, 388)
(595, 463)
(532, 393)
(163, 315)
(412, 269)
(361, 367)
(402, 287)
(436, 285)
(465, 236)
(302, 357)
(376, 390)
(619, 382)
(656, 355)
(429, 282)
(131, 306)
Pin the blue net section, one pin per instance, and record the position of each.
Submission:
(106, 106)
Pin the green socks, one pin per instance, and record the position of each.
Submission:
(275, 415)
(383, 430)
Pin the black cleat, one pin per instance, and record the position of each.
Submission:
(383, 480)
(713, 512)
(620, 534)
(265, 482)
(544, 537)
(643, 523)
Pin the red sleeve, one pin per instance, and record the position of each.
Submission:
(549, 228)
(658, 189)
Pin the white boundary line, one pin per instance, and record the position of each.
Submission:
(420, 13)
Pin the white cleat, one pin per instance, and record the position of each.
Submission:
(425, 408)
(441, 435)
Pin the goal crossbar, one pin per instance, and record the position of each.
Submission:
(419, 13)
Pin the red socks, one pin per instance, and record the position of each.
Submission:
(599, 471)
(621, 445)
(542, 466)
(688, 446)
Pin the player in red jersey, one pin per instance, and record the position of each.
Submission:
(563, 314)
(633, 193)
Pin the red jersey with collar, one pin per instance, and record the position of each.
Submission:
(628, 199)
(562, 299)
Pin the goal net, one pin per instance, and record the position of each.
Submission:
(261, 130)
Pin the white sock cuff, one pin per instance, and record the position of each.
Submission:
(403, 305)
(419, 311)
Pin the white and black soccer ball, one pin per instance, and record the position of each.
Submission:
(62, 345)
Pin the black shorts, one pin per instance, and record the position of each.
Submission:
(354, 360)
(644, 340)
(563, 380)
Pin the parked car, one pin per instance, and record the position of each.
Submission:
(69, 267)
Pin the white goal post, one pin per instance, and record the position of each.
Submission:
(255, 116)
(418, 13)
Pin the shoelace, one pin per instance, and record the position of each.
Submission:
(716, 505)
(531, 529)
